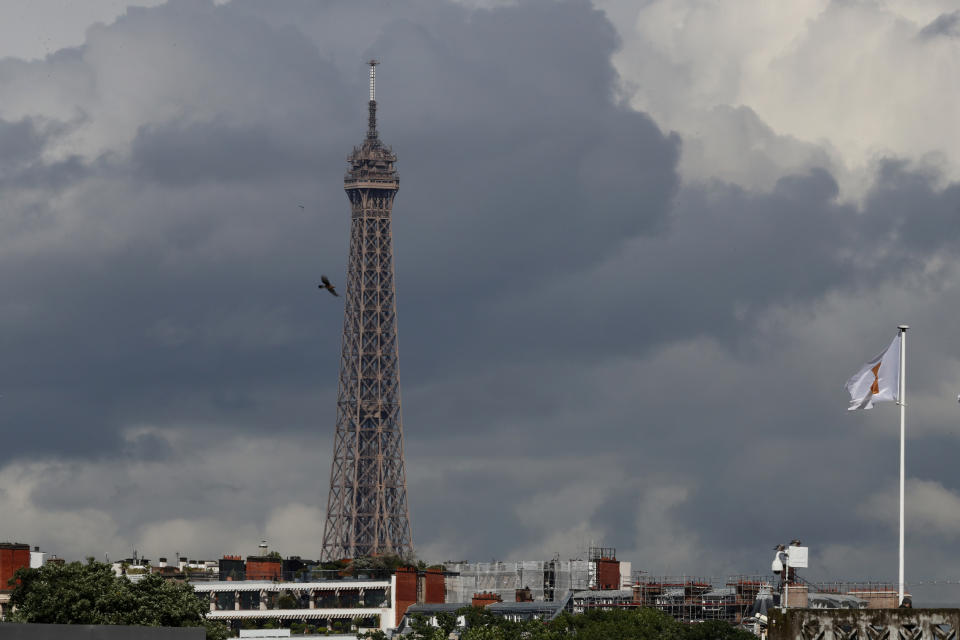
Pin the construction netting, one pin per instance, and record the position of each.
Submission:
(545, 580)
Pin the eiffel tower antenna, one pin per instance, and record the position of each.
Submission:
(372, 121)
(367, 510)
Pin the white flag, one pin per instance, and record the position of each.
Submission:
(878, 380)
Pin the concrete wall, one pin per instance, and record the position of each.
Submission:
(843, 624)
(12, 631)
(877, 599)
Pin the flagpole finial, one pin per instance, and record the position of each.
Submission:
(903, 327)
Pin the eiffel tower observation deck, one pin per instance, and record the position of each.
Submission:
(367, 510)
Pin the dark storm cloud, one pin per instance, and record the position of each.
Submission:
(727, 257)
(567, 173)
(912, 213)
(481, 501)
(560, 294)
(179, 155)
(509, 137)
(22, 144)
(158, 309)
(947, 24)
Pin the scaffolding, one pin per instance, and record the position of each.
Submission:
(547, 580)
(685, 598)
(696, 599)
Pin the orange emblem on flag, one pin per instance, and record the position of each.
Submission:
(875, 387)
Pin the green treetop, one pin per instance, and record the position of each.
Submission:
(91, 593)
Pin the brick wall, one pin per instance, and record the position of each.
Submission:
(406, 594)
(434, 587)
(608, 573)
(263, 568)
(13, 556)
(484, 599)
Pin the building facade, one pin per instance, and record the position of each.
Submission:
(544, 580)
(364, 605)
(13, 556)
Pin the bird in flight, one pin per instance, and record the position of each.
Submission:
(301, 206)
(326, 285)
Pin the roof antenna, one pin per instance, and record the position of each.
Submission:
(372, 123)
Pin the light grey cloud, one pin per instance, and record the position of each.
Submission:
(734, 145)
(933, 509)
(854, 77)
(29, 32)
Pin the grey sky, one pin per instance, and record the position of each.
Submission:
(630, 286)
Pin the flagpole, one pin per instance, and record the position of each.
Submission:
(901, 400)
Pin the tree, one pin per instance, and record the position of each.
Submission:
(90, 593)
(66, 594)
(423, 630)
(288, 601)
(637, 624)
(716, 630)
(379, 564)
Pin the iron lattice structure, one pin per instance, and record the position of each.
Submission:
(367, 510)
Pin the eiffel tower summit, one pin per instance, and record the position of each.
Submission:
(367, 510)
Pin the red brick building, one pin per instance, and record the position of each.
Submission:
(13, 556)
(415, 587)
(406, 591)
(608, 573)
(434, 587)
(485, 599)
(264, 568)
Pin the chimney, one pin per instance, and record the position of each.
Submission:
(37, 558)
(608, 573)
(524, 595)
(485, 599)
(434, 586)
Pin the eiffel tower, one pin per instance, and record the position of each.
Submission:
(367, 510)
